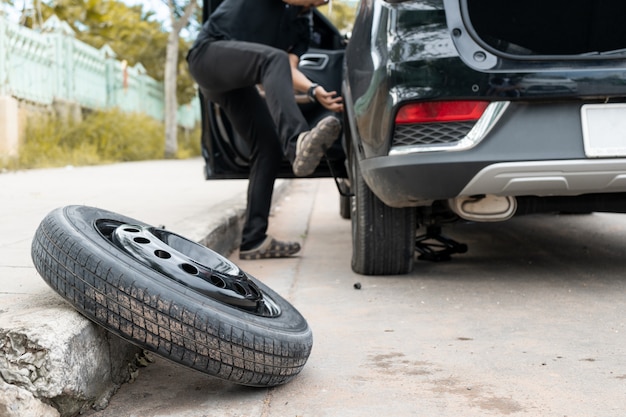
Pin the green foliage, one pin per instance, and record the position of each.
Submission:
(101, 137)
(185, 85)
(133, 34)
(189, 143)
(341, 14)
(126, 29)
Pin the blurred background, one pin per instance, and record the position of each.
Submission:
(87, 82)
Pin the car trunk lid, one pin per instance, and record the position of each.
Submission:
(539, 35)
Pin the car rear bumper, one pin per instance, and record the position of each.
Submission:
(400, 183)
(535, 149)
(546, 178)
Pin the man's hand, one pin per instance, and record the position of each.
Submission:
(329, 99)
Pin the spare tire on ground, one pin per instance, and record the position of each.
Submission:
(171, 296)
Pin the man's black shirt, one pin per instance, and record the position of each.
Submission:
(269, 22)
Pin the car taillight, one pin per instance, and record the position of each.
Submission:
(441, 111)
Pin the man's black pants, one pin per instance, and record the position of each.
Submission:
(227, 73)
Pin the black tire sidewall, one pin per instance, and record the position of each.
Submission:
(383, 238)
(72, 232)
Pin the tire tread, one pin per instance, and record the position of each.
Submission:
(383, 237)
(107, 294)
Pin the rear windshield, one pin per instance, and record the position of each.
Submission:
(551, 27)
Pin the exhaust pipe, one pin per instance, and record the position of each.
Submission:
(484, 208)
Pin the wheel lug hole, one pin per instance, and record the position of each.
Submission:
(162, 254)
(240, 289)
(218, 282)
(190, 269)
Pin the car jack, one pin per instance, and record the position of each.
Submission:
(435, 247)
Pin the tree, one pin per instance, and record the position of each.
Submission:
(179, 18)
(128, 30)
(136, 38)
(132, 32)
(340, 14)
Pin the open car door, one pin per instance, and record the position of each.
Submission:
(227, 155)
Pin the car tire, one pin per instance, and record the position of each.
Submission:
(177, 299)
(383, 237)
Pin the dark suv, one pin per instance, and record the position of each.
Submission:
(474, 110)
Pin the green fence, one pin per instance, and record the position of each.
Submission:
(52, 65)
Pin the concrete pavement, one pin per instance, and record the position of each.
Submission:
(529, 322)
(48, 353)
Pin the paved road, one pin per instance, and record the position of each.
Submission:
(529, 322)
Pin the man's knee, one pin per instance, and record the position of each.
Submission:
(278, 56)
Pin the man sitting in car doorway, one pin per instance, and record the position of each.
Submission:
(250, 42)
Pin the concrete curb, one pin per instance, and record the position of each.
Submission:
(52, 356)
(54, 362)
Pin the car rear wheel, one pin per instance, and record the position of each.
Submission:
(383, 237)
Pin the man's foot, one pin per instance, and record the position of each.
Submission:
(312, 144)
(270, 248)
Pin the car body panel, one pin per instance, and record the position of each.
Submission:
(551, 138)
(414, 56)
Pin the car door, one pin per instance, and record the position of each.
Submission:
(227, 155)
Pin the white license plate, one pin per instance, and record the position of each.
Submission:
(604, 130)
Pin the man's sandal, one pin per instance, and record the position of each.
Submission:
(270, 248)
